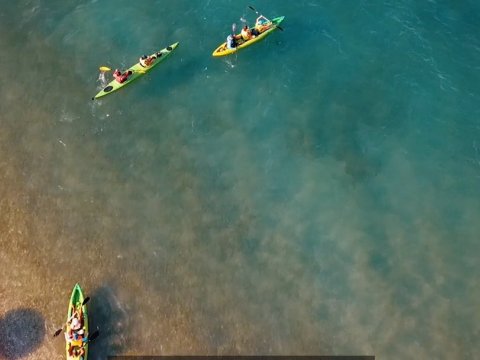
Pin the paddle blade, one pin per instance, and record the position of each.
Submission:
(86, 300)
(234, 28)
(94, 335)
(279, 28)
(104, 68)
(57, 332)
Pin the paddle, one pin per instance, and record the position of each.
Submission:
(256, 12)
(93, 336)
(60, 330)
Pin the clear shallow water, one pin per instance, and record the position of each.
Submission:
(316, 194)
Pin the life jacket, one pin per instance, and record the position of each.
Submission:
(246, 34)
(147, 62)
(118, 76)
(121, 77)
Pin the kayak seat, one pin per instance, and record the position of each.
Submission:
(76, 343)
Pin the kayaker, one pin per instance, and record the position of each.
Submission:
(146, 61)
(76, 351)
(74, 334)
(75, 337)
(231, 42)
(246, 33)
(75, 321)
(121, 78)
(75, 326)
(261, 24)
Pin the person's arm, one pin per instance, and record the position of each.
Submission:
(71, 317)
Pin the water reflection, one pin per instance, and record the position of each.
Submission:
(111, 318)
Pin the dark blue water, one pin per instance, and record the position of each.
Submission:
(316, 193)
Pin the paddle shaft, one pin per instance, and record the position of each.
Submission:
(93, 336)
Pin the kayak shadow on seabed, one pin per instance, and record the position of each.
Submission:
(21, 332)
(109, 316)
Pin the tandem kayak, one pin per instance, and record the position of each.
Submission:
(137, 71)
(75, 306)
(223, 50)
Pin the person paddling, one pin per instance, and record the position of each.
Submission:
(76, 351)
(246, 33)
(231, 41)
(121, 78)
(261, 24)
(146, 61)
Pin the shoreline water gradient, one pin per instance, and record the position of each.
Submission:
(317, 193)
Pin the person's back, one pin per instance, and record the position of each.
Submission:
(117, 75)
(231, 43)
(262, 24)
(246, 34)
(146, 61)
(121, 78)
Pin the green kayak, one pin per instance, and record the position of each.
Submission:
(137, 71)
(77, 349)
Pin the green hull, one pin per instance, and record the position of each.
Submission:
(138, 70)
(76, 300)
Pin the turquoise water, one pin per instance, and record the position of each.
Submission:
(316, 193)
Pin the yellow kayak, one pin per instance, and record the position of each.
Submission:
(223, 49)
